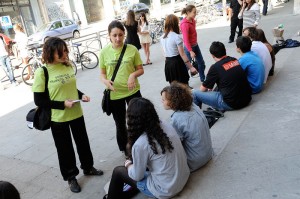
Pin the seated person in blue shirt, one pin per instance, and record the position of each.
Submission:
(190, 123)
(251, 63)
(233, 92)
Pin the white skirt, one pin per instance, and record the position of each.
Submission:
(145, 38)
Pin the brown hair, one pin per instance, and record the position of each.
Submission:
(171, 24)
(52, 45)
(130, 19)
(188, 8)
(250, 4)
(179, 96)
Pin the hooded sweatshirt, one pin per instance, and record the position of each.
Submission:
(188, 30)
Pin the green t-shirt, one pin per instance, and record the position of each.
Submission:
(108, 60)
(61, 86)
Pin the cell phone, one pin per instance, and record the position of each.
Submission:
(76, 101)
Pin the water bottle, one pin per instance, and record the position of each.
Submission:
(280, 26)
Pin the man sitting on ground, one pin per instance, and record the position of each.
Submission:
(251, 63)
(260, 49)
(233, 92)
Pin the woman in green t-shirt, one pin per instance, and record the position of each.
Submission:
(66, 112)
(125, 86)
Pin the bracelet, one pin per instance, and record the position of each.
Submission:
(127, 163)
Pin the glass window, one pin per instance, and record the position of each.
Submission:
(68, 22)
(56, 25)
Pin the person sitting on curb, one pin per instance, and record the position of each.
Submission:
(234, 90)
(5, 63)
(261, 37)
(157, 166)
(251, 63)
(260, 49)
(190, 123)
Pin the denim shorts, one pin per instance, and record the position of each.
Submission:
(142, 186)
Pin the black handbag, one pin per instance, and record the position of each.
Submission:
(106, 94)
(40, 117)
(212, 116)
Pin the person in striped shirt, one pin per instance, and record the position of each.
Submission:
(250, 13)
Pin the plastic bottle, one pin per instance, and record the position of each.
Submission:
(280, 26)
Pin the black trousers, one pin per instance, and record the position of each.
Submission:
(119, 115)
(119, 177)
(65, 150)
(265, 8)
(235, 22)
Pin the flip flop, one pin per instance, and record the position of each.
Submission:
(149, 63)
(145, 64)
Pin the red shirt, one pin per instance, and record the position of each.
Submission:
(189, 33)
(6, 39)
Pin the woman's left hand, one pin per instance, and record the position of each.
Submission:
(131, 82)
(85, 98)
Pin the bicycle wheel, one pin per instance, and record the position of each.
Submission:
(89, 60)
(73, 66)
(28, 74)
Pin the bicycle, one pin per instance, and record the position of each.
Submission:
(35, 62)
(87, 59)
(156, 30)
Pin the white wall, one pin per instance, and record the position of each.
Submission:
(296, 6)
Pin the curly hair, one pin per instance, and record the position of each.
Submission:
(179, 96)
(142, 118)
(52, 45)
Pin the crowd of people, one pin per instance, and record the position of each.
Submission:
(159, 155)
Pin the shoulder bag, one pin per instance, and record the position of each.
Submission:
(40, 117)
(106, 94)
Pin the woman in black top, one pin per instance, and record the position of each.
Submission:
(132, 29)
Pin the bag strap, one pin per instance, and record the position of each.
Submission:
(46, 80)
(119, 63)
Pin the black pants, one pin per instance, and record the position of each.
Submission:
(265, 8)
(235, 22)
(119, 115)
(119, 177)
(65, 150)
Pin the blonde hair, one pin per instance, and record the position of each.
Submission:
(18, 27)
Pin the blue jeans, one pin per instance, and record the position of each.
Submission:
(199, 59)
(6, 65)
(211, 98)
(142, 186)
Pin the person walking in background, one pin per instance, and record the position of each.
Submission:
(176, 62)
(21, 41)
(66, 114)
(235, 6)
(188, 30)
(251, 63)
(250, 13)
(233, 92)
(265, 8)
(5, 63)
(132, 29)
(190, 124)
(126, 85)
(261, 37)
(260, 49)
(157, 166)
(8, 191)
(145, 38)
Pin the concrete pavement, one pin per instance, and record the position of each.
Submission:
(257, 153)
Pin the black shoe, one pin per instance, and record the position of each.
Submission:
(74, 186)
(93, 172)
(230, 41)
(105, 196)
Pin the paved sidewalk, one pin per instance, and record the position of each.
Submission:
(257, 153)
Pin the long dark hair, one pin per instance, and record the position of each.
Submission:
(52, 45)
(142, 118)
(171, 24)
(8, 190)
(250, 4)
(145, 18)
